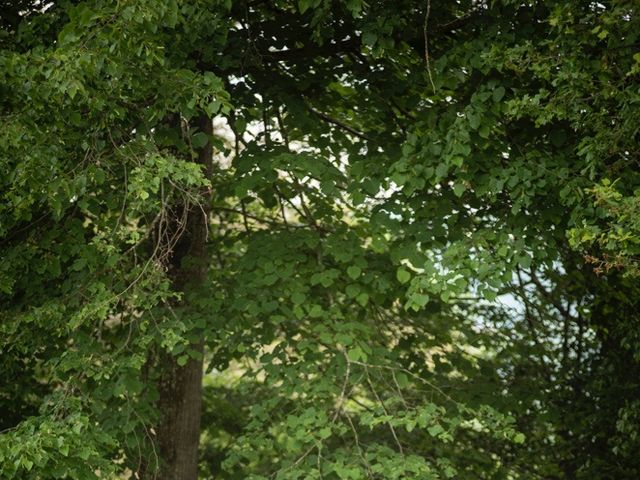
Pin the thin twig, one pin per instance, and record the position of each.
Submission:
(425, 30)
(384, 409)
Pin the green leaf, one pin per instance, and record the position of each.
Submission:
(403, 275)
(363, 299)
(490, 295)
(354, 272)
(458, 189)
(182, 360)
(369, 38)
(316, 311)
(298, 298)
(27, 464)
(64, 449)
(353, 290)
(355, 354)
(199, 140)
(213, 108)
(419, 299)
(441, 170)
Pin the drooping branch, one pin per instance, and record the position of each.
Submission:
(339, 124)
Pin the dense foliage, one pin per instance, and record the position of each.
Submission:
(402, 238)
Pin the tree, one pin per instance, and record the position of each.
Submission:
(324, 203)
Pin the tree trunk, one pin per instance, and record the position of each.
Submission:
(180, 387)
(179, 431)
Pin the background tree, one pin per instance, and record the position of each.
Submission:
(363, 218)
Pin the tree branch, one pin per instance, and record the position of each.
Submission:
(338, 123)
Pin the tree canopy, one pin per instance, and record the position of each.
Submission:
(321, 239)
